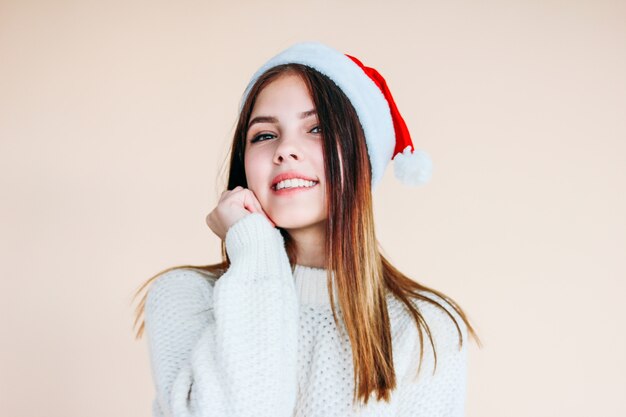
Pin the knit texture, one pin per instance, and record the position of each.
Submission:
(261, 341)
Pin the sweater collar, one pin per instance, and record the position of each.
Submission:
(311, 285)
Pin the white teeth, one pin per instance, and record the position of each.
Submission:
(294, 183)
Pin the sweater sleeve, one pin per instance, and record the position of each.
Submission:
(442, 394)
(228, 349)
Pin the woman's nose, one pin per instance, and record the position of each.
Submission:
(287, 149)
(281, 158)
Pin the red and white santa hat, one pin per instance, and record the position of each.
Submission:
(386, 134)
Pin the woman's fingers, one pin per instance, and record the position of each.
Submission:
(260, 210)
(245, 198)
(255, 205)
(249, 201)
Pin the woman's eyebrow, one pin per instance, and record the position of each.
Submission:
(262, 119)
(272, 119)
(307, 113)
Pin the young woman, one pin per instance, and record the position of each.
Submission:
(304, 316)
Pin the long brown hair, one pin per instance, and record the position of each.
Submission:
(362, 275)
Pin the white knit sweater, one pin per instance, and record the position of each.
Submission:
(261, 341)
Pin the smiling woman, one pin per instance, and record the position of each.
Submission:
(305, 316)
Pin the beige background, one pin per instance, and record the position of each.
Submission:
(115, 117)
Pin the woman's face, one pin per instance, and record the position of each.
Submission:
(284, 141)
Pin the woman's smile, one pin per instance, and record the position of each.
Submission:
(289, 190)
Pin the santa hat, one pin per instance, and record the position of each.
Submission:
(386, 134)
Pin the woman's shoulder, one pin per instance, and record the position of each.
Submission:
(445, 326)
(438, 313)
(184, 276)
(180, 285)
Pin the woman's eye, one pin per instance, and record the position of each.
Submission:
(319, 129)
(260, 137)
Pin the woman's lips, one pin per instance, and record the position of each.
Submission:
(293, 190)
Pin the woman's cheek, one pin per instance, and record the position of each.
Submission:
(258, 183)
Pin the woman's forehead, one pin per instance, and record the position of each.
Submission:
(286, 94)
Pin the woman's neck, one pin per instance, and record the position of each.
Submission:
(309, 244)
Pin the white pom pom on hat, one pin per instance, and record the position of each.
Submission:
(386, 134)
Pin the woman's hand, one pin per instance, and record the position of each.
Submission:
(233, 205)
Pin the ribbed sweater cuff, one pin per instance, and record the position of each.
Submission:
(253, 238)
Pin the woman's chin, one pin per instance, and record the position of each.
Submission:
(294, 223)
